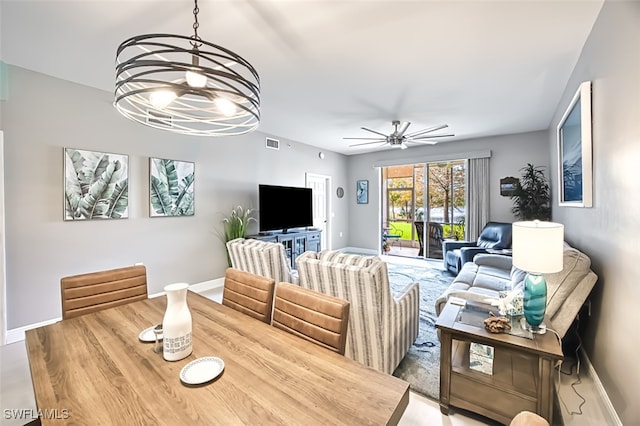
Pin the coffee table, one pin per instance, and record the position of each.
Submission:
(517, 376)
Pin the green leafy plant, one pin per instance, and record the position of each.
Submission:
(235, 225)
(532, 196)
(170, 195)
(96, 187)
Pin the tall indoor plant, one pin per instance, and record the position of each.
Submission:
(235, 225)
(532, 196)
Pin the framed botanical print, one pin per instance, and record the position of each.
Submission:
(96, 185)
(171, 187)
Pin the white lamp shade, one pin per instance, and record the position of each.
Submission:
(538, 246)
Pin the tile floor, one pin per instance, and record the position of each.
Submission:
(16, 391)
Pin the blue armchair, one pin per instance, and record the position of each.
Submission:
(494, 235)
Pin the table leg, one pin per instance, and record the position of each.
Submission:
(445, 371)
(546, 390)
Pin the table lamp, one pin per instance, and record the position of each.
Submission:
(537, 249)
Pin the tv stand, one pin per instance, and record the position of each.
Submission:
(295, 241)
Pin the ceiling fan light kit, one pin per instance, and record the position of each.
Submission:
(400, 139)
(186, 85)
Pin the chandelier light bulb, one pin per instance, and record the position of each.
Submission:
(225, 106)
(162, 98)
(195, 79)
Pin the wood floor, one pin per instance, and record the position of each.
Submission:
(16, 391)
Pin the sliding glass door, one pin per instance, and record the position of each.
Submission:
(423, 204)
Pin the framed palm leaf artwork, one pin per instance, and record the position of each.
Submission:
(96, 185)
(171, 187)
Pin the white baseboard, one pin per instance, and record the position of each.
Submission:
(602, 393)
(359, 250)
(17, 334)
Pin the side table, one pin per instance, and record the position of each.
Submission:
(518, 377)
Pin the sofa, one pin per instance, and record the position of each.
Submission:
(488, 274)
(494, 235)
(382, 326)
(264, 258)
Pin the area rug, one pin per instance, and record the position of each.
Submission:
(421, 366)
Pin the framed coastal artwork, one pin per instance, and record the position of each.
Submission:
(96, 185)
(362, 191)
(171, 187)
(574, 151)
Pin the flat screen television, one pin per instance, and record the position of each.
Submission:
(284, 208)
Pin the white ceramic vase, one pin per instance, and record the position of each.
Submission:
(176, 324)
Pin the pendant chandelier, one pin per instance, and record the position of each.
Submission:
(186, 85)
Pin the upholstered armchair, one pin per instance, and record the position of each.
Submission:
(261, 258)
(382, 325)
(494, 235)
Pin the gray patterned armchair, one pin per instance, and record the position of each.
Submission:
(261, 258)
(382, 325)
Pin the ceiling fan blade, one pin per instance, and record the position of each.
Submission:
(373, 131)
(369, 139)
(367, 143)
(428, 130)
(405, 125)
(429, 137)
(420, 142)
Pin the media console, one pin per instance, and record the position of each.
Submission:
(295, 242)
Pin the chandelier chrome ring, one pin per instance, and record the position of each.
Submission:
(164, 81)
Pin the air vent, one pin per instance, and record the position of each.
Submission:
(273, 143)
(155, 118)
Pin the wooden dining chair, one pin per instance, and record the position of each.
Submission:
(249, 293)
(95, 291)
(314, 316)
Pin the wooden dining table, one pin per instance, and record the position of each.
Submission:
(94, 370)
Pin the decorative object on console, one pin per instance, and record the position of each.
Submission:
(362, 192)
(537, 249)
(96, 185)
(186, 85)
(171, 186)
(496, 324)
(177, 324)
(531, 198)
(574, 151)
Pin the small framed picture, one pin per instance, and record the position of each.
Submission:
(362, 192)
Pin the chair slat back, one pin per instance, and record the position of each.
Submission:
(314, 316)
(249, 293)
(95, 291)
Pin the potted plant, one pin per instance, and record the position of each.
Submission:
(235, 225)
(532, 195)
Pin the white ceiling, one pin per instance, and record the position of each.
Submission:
(329, 67)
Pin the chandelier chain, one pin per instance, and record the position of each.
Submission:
(196, 25)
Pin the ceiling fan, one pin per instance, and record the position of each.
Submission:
(399, 138)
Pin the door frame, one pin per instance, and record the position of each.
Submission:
(3, 269)
(326, 240)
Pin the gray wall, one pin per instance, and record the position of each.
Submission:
(43, 114)
(509, 154)
(610, 231)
